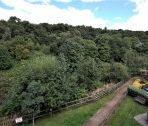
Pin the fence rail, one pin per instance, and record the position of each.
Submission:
(72, 104)
(6, 121)
(83, 101)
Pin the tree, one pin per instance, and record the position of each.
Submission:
(5, 59)
(7, 35)
(14, 19)
(105, 71)
(73, 52)
(63, 62)
(118, 47)
(20, 47)
(88, 73)
(135, 62)
(119, 72)
(104, 50)
(90, 48)
(42, 85)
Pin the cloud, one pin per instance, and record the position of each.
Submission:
(42, 1)
(139, 20)
(39, 13)
(118, 18)
(64, 1)
(91, 0)
(139, 4)
(47, 12)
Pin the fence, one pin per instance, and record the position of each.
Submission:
(72, 104)
(88, 99)
(6, 121)
(80, 102)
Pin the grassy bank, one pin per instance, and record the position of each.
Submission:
(124, 116)
(73, 117)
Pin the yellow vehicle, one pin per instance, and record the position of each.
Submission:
(139, 90)
(138, 84)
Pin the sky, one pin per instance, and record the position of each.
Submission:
(113, 14)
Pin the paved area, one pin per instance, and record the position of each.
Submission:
(141, 119)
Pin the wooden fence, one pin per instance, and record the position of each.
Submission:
(82, 101)
(76, 103)
(6, 121)
(91, 98)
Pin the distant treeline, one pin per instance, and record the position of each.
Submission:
(42, 66)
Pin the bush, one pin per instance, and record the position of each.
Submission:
(135, 62)
(119, 72)
(46, 49)
(20, 48)
(5, 59)
(88, 73)
(43, 84)
(105, 71)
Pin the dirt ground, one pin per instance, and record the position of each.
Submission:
(103, 114)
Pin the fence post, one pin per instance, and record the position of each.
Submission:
(51, 112)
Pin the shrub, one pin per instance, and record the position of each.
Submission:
(87, 74)
(119, 72)
(105, 71)
(42, 85)
(46, 49)
(5, 59)
(20, 48)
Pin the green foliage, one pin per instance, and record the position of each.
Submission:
(135, 62)
(82, 58)
(20, 47)
(7, 34)
(90, 49)
(73, 117)
(103, 47)
(5, 59)
(119, 46)
(31, 84)
(44, 84)
(14, 19)
(88, 73)
(73, 52)
(119, 72)
(105, 71)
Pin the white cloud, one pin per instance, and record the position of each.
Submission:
(139, 4)
(42, 1)
(91, 0)
(64, 1)
(47, 12)
(118, 18)
(38, 13)
(139, 20)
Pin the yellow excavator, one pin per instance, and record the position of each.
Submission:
(139, 90)
(139, 84)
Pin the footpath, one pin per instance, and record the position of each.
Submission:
(102, 115)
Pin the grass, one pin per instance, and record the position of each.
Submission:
(73, 117)
(124, 116)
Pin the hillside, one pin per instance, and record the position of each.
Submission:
(43, 66)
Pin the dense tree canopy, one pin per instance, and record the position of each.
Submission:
(46, 65)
